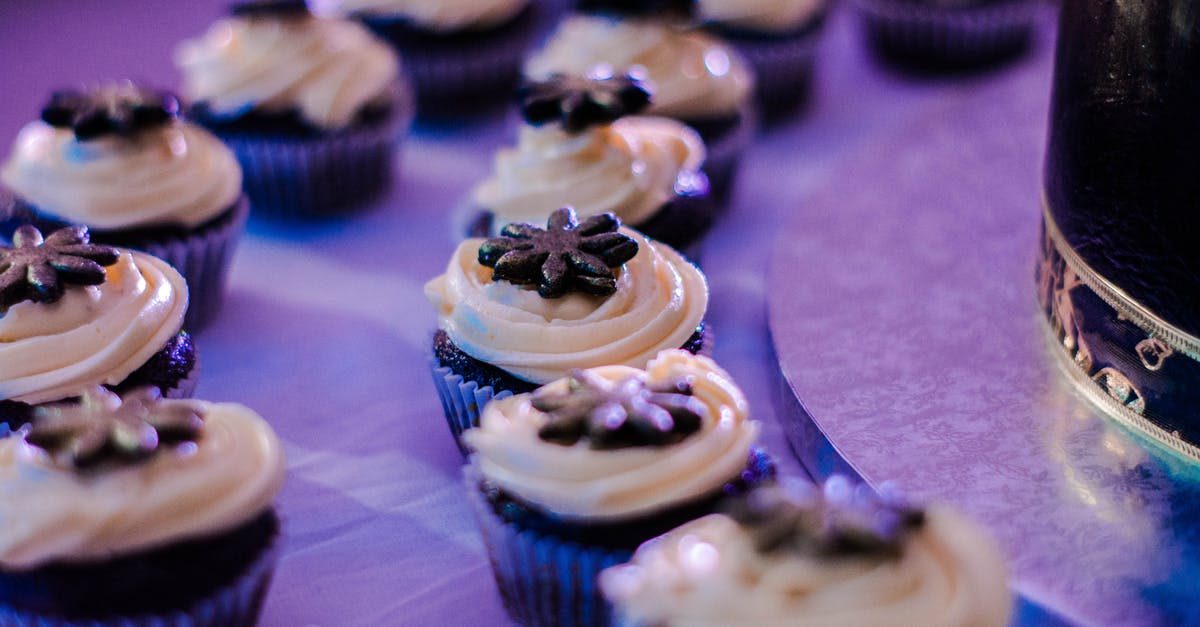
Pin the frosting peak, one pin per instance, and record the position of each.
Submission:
(326, 69)
(761, 15)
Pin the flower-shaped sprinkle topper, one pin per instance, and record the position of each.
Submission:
(270, 8)
(621, 414)
(36, 270)
(121, 109)
(836, 519)
(565, 256)
(106, 428)
(579, 102)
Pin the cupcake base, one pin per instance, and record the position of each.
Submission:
(201, 254)
(725, 138)
(220, 580)
(292, 170)
(466, 72)
(174, 370)
(546, 567)
(466, 384)
(916, 36)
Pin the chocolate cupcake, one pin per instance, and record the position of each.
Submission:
(570, 479)
(693, 76)
(778, 38)
(581, 145)
(800, 554)
(131, 510)
(312, 107)
(74, 315)
(118, 159)
(462, 55)
(953, 35)
(525, 308)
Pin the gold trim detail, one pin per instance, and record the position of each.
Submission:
(1173, 337)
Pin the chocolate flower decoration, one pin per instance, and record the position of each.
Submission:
(624, 414)
(121, 109)
(105, 427)
(36, 270)
(838, 519)
(270, 8)
(577, 102)
(564, 256)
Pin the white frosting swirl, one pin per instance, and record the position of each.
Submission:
(708, 573)
(579, 482)
(628, 168)
(660, 300)
(328, 69)
(772, 16)
(97, 334)
(438, 15)
(178, 174)
(691, 74)
(55, 515)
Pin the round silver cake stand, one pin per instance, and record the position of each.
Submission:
(904, 319)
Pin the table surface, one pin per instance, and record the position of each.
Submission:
(326, 328)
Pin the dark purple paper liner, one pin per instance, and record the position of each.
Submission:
(545, 580)
(724, 151)
(924, 36)
(783, 65)
(463, 72)
(236, 604)
(332, 174)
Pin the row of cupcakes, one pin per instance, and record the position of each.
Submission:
(124, 502)
(569, 364)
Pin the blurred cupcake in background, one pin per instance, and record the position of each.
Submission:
(693, 76)
(312, 107)
(118, 159)
(571, 478)
(74, 315)
(948, 35)
(463, 56)
(778, 38)
(830, 555)
(583, 146)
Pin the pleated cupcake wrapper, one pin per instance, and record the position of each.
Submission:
(543, 580)
(186, 388)
(462, 400)
(203, 259)
(950, 36)
(783, 67)
(329, 175)
(236, 604)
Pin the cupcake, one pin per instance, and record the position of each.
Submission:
(132, 510)
(75, 315)
(118, 159)
(529, 306)
(693, 76)
(803, 555)
(312, 107)
(948, 34)
(778, 38)
(581, 146)
(462, 55)
(568, 480)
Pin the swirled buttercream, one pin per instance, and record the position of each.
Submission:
(691, 74)
(659, 302)
(628, 168)
(769, 16)
(178, 175)
(52, 515)
(708, 572)
(580, 482)
(327, 69)
(96, 334)
(438, 15)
